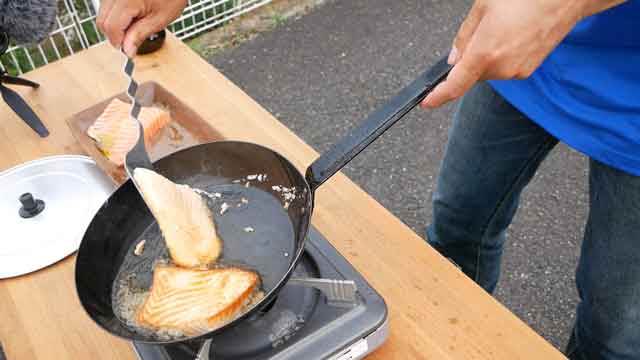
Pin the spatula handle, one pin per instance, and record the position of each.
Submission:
(132, 88)
(137, 157)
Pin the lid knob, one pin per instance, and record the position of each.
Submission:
(30, 206)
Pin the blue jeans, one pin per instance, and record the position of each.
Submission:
(492, 153)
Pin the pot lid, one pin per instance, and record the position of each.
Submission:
(45, 207)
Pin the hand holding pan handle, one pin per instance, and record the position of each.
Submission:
(375, 125)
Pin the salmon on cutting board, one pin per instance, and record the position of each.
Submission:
(196, 301)
(115, 132)
(184, 219)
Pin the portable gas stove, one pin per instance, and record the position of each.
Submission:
(308, 320)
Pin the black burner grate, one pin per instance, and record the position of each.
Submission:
(301, 323)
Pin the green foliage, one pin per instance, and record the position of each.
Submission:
(278, 19)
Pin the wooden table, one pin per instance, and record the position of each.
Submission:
(435, 311)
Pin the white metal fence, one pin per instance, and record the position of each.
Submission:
(76, 30)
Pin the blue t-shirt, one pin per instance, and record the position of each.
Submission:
(587, 92)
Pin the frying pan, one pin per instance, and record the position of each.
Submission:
(279, 222)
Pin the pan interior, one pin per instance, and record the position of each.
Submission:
(257, 235)
(262, 230)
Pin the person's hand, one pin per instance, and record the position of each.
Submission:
(127, 23)
(508, 39)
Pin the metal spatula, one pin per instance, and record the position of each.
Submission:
(137, 157)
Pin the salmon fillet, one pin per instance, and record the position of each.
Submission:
(183, 217)
(195, 301)
(115, 132)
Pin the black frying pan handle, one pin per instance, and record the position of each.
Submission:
(375, 125)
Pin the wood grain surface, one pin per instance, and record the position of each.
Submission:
(435, 311)
(186, 126)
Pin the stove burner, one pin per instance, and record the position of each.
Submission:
(276, 325)
(268, 306)
(301, 323)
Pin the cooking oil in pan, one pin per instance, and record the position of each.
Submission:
(235, 208)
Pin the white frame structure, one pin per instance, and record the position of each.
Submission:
(75, 30)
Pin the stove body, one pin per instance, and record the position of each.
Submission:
(301, 323)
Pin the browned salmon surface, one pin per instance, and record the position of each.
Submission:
(195, 301)
(184, 218)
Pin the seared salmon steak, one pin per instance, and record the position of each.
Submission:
(115, 131)
(195, 301)
(184, 219)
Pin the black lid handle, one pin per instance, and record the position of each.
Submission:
(30, 206)
(375, 125)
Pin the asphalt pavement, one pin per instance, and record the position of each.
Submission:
(322, 73)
